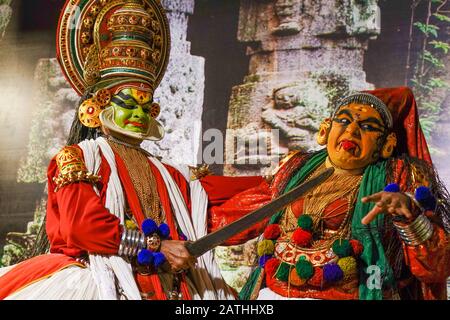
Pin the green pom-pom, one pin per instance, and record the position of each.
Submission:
(342, 248)
(265, 247)
(305, 222)
(283, 272)
(304, 268)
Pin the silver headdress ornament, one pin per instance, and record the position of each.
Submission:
(370, 100)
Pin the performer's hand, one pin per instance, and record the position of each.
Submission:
(177, 255)
(394, 203)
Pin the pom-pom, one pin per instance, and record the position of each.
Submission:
(283, 272)
(295, 280)
(392, 187)
(301, 237)
(265, 247)
(145, 257)
(357, 247)
(348, 266)
(271, 266)
(426, 199)
(272, 232)
(263, 259)
(158, 259)
(332, 273)
(164, 230)
(305, 222)
(317, 278)
(342, 248)
(305, 269)
(149, 227)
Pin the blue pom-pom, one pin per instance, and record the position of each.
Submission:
(158, 259)
(392, 187)
(332, 272)
(164, 230)
(263, 259)
(149, 227)
(145, 257)
(426, 199)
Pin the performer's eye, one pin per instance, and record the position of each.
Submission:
(129, 106)
(369, 127)
(343, 121)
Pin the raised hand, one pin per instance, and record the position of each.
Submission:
(396, 204)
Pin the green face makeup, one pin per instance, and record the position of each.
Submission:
(129, 114)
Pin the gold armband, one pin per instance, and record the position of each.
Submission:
(72, 168)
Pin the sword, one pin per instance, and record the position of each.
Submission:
(214, 239)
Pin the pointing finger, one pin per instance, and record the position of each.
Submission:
(372, 214)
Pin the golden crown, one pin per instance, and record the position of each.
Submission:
(113, 41)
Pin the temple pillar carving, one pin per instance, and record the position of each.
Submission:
(304, 54)
(180, 93)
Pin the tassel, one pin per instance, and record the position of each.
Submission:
(184, 288)
(156, 283)
(252, 285)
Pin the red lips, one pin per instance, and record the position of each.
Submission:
(136, 124)
(348, 145)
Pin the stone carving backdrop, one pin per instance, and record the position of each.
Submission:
(303, 55)
(5, 15)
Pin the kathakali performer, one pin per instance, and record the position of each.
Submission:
(376, 229)
(117, 217)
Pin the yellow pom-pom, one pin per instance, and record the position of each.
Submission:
(265, 247)
(129, 224)
(294, 279)
(349, 266)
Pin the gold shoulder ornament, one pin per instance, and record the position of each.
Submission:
(199, 172)
(72, 168)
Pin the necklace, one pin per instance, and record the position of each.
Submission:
(144, 182)
(338, 186)
(130, 145)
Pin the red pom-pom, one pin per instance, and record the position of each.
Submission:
(357, 247)
(272, 232)
(317, 278)
(301, 237)
(271, 267)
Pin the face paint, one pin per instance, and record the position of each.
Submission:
(355, 137)
(131, 110)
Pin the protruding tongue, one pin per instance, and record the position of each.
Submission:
(348, 145)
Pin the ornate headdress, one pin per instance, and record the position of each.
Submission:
(370, 100)
(105, 46)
